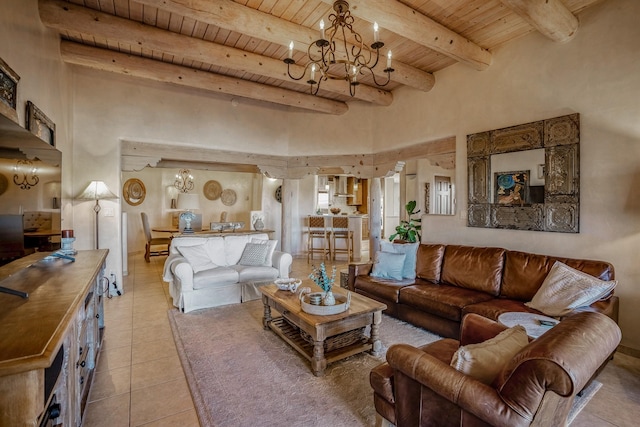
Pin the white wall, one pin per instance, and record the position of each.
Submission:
(597, 74)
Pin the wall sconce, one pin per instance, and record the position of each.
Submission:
(22, 178)
(184, 181)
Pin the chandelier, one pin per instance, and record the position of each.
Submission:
(184, 181)
(25, 174)
(343, 58)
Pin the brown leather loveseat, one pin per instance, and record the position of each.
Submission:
(418, 387)
(454, 280)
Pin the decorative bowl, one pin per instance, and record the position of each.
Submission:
(335, 211)
(288, 284)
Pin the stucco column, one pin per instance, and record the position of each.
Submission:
(286, 221)
(375, 217)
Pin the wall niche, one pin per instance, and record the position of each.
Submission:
(505, 197)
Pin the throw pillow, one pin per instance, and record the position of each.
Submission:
(485, 360)
(411, 253)
(197, 256)
(388, 265)
(268, 261)
(565, 289)
(253, 254)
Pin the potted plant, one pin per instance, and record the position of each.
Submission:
(408, 230)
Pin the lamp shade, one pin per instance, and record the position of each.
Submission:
(188, 202)
(96, 190)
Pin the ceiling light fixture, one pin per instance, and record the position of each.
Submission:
(341, 58)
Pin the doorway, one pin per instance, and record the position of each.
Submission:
(442, 196)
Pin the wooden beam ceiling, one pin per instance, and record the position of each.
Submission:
(550, 17)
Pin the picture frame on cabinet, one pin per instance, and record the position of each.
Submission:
(8, 91)
(40, 125)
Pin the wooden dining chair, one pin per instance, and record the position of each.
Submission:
(340, 231)
(153, 241)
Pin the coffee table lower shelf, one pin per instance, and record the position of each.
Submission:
(291, 334)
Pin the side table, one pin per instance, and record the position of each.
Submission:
(530, 322)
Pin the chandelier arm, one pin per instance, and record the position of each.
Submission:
(373, 75)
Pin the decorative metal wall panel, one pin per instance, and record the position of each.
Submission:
(563, 130)
(563, 218)
(517, 138)
(478, 144)
(562, 170)
(478, 215)
(478, 173)
(560, 137)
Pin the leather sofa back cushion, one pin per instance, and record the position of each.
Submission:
(429, 262)
(525, 272)
(473, 268)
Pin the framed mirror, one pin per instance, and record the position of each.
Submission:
(526, 177)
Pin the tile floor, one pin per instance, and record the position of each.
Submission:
(139, 380)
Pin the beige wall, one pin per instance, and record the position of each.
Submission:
(597, 74)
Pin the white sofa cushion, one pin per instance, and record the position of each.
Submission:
(215, 248)
(233, 248)
(259, 273)
(215, 277)
(254, 254)
(198, 257)
(268, 261)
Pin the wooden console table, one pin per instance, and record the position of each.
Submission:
(49, 341)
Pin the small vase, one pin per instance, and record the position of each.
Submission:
(329, 299)
(258, 224)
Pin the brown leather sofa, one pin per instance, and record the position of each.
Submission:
(417, 387)
(454, 280)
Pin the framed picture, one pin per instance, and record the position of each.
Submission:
(512, 188)
(8, 91)
(40, 125)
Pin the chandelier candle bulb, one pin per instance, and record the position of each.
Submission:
(291, 49)
(313, 72)
(389, 59)
(321, 30)
(375, 32)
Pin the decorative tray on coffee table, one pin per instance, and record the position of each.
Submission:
(342, 304)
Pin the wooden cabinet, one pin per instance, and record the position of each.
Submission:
(359, 193)
(51, 340)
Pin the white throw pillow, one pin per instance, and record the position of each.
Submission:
(565, 289)
(254, 254)
(485, 360)
(197, 256)
(388, 265)
(411, 254)
(268, 261)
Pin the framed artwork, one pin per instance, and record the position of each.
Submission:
(8, 91)
(40, 125)
(512, 188)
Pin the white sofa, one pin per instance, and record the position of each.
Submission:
(211, 270)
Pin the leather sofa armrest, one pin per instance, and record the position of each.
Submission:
(476, 329)
(467, 393)
(363, 269)
(282, 262)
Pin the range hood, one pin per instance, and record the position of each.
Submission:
(340, 183)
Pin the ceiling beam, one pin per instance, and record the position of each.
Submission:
(108, 60)
(550, 17)
(408, 23)
(233, 16)
(63, 16)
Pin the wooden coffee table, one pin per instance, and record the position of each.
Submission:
(323, 339)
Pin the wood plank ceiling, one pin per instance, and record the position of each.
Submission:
(238, 47)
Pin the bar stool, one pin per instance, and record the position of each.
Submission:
(318, 231)
(340, 230)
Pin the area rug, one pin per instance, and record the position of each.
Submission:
(241, 375)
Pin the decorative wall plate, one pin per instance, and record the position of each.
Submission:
(212, 190)
(278, 194)
(228, 197)
(4, 183)
(134, 191)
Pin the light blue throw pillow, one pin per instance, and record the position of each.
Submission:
(411, 252)
(388, 265)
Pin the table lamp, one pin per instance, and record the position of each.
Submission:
(188, 203)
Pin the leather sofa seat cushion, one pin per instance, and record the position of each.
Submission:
(474, 268)
(441, 300)
(215, 277)
(255, 273)
(525, 272)
(492, 309)
(429, 262)
(386, 289)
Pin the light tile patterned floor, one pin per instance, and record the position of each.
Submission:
(139, 380)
